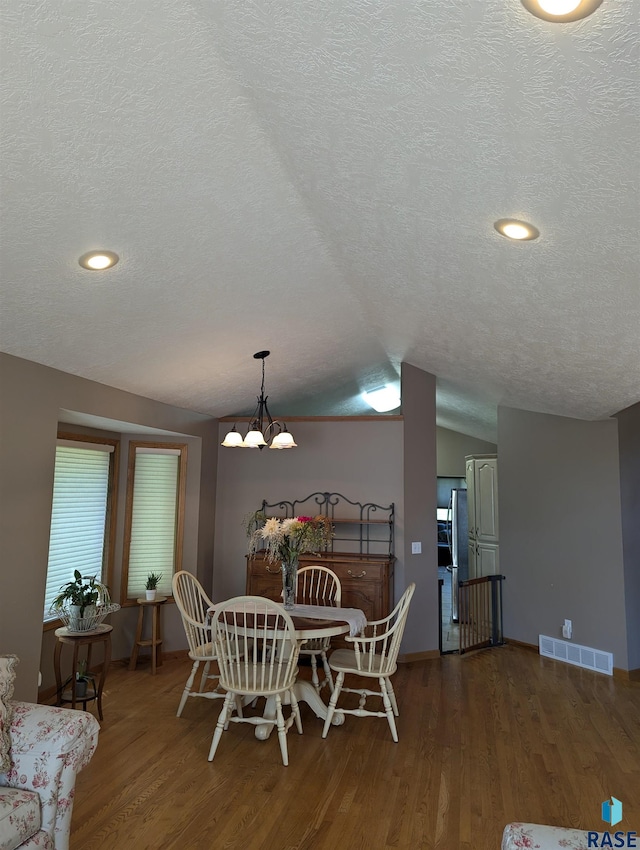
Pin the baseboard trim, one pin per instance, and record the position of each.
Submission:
(626, 675)
(427, 655)
(522, 645)
(618, 672)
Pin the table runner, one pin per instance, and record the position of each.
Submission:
(353, 616)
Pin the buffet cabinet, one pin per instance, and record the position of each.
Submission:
(367, 580)
(360, 553)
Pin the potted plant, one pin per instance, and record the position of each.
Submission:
(151, 587)
(83, 679)
(77, 601)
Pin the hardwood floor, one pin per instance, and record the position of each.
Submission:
(485, 739)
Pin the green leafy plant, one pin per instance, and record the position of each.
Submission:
(82, 675)
(83, 680)
(153, 580)
(82, 591)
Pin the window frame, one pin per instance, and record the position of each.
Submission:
(108, 554)
(181, 491)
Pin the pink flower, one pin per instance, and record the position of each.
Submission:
(304, 518)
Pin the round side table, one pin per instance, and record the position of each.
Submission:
(155, 641)
(101, 634)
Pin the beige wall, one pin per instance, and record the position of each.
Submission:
(560, 530)
(32, 398)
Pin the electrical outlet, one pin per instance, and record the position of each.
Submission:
(567, 629)
(416, 548)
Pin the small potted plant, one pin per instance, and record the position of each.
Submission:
(151, 587)
(77, 601)
(83, 679)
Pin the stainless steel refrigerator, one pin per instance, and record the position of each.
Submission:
(459, 545)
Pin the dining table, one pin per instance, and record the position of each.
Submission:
(312, 622)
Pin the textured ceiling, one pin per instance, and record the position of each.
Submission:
(320, 178)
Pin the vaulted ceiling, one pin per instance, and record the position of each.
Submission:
(321, 178)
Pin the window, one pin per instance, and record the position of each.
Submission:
(81, 526)
(154, 516)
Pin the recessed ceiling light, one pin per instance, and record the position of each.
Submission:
(97, 261)
(521, 231)
(382, 399)
(561, 11)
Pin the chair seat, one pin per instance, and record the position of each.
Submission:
(19, 816)
(203, 652)
(345, 661)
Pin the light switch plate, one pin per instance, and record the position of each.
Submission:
(416, 548)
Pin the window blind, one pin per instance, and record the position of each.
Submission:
(153, 519)
(78, 516)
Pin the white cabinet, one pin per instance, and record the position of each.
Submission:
(482, 500)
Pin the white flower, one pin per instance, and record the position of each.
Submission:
(272, 528)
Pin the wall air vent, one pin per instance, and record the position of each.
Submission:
(572, 653)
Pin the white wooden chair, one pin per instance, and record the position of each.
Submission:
(193, 604)
(374, 656)
(318, 585)
(257, 654)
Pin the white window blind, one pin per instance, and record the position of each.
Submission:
(78, 516)
(153, 519)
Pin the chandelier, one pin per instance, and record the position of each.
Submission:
(262, 427)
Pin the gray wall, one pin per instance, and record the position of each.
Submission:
(359, 458)
(629, 439)
(367, 460)
(560, 530)
(419, 478)
(452, 449)
(32, 399)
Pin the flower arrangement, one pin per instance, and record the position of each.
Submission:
(286, 539)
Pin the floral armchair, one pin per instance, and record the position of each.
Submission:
(42, 748)
(534, 836)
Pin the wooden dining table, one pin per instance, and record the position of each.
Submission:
(307, 628)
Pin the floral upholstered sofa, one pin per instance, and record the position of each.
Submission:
(42, 749)
(534, 836)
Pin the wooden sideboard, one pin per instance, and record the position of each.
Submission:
(367, 580)
(363, 530)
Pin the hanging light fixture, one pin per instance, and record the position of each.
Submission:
(262, 426)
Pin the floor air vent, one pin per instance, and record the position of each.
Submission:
(573, 653)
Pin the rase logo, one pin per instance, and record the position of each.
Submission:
(612, 811)
(612, 814)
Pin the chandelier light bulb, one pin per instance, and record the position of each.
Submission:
(254, 439)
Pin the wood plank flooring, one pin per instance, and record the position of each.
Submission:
(485, 739)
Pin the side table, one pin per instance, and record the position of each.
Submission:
(101, 634)
(155, 641)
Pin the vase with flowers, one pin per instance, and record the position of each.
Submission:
(284, 540)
